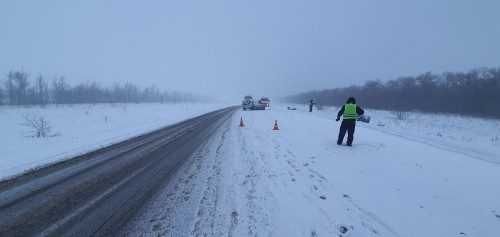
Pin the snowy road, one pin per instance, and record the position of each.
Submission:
(96, 193)
(254, 181)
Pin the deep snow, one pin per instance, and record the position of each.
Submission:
(427, 175)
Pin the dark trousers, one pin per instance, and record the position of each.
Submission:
(310, 108)
(348, 125)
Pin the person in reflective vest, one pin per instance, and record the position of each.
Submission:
(350, 112)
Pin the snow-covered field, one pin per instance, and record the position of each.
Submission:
(427, 175)
(478, 138)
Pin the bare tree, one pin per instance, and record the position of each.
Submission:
(132, 92)
(152, 93)
(95, 93)
(476, 92)
(60, 89)
(426, 91)
(39, 125)
(117, 93)
(21, 78)
(41, 90)
(400, 114)
(11, 90)
(1, 96)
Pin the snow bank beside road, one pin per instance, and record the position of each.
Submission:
(82, 128)
(475, 137)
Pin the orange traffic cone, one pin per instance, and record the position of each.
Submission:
(241, 123)
(276, 125)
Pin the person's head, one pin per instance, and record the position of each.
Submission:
(351, 100)
(311, 101)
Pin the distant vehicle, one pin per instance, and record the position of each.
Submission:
(257, 106)
(265, 101)
(246, 103)
(249, 103)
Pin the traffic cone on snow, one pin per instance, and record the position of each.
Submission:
(241, 123)
(276, 125)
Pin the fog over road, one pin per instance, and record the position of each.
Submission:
(97, 193)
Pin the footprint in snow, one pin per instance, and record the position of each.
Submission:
(343, 229)
(349, 199)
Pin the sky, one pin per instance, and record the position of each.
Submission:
(229, 49)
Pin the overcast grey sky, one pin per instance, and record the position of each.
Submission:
(261, 47)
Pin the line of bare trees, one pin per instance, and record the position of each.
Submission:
(476, 93)
(19, 89)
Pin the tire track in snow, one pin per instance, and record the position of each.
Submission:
(173, 211)
(367, 217)
(259, 173)
(207, 222)
(250, 187)
(162, 221)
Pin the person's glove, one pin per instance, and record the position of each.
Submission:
(337, 119)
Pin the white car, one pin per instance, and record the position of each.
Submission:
(249, 103)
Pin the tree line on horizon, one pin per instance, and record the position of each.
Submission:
(20, 89)
(475, 93)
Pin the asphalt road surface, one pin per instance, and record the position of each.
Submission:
(97, 193)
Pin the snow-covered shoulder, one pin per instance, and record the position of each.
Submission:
(283, 174)
(77, 129)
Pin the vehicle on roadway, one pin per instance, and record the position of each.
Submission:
(250, 104)
(265, 101)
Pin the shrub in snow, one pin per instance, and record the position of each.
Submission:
(401, 115)
(39, 126)
(494, 141)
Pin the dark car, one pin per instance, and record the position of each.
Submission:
(265, 101)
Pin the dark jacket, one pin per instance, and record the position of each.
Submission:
(351, 100)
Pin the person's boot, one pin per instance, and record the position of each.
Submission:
(339, 142)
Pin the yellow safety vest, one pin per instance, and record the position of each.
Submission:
(350, 111)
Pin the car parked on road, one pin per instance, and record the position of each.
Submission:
(250, 104)
(265, 101)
